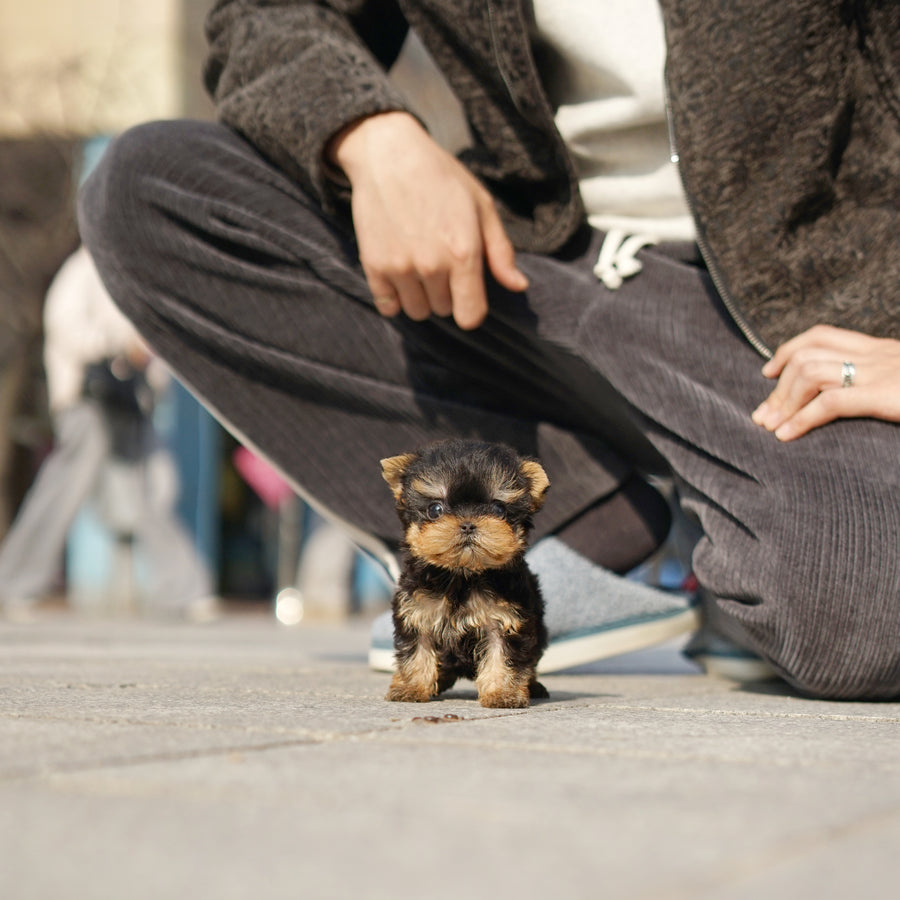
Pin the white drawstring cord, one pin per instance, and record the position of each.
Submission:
(617, 261)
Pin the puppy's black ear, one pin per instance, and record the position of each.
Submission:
(538, 482)
(394, 468)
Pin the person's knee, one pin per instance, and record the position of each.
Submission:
(870, 670)
(856, 659)
(114, 198)
(816, 588)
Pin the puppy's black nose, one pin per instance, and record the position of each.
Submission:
(468, 527)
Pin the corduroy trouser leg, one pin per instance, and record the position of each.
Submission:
(258, 302)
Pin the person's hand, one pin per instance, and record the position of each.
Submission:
(810, 389)
(425, 226)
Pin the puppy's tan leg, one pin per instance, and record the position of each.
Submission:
(417, 676)
(499, 685)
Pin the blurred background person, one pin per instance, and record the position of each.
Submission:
(102, 387)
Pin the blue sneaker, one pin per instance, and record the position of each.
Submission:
(722, 658)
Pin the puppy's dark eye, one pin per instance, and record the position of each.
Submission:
(498, 508)
(435, 510)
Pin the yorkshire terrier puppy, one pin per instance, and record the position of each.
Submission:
(467, 605)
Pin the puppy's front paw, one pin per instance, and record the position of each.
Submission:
(506, 699)
(402, 691)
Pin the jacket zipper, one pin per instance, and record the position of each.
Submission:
(730, 305)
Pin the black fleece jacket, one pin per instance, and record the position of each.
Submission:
(785, 115)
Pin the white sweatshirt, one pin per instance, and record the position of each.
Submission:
(605, 77)
(82, 325)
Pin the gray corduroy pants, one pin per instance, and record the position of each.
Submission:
(258, 302)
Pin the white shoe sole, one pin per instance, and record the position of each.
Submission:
(566, 653)
(735, 668)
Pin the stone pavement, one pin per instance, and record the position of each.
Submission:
(248, 760)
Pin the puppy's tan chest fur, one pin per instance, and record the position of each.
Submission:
(434, 615)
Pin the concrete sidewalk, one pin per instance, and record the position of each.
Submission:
(246, 760)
